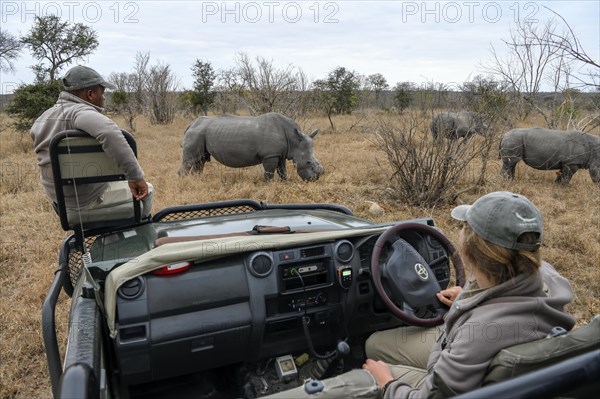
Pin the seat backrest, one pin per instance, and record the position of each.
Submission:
(523, 358)
(77, 159)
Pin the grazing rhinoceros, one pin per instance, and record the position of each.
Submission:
(240, 141)
(551, 149)
(454, 125)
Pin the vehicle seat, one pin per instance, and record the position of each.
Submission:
(523, 358)
(77, 159)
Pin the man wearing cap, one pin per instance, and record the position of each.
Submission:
(80, 107)
(511, 297)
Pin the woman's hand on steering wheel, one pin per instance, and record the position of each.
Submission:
(448, 296)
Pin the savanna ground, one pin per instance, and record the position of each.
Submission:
(30, 232)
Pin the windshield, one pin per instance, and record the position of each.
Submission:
(130, 243)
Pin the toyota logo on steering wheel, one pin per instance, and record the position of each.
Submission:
(421, 272)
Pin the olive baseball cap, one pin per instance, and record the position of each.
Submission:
(81, 77)
(501, 217)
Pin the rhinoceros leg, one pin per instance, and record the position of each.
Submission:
(508, 166)
(461, 132)
(566, 173)
(270, 164)
(194, 165)
(281, 169)
(595, 174)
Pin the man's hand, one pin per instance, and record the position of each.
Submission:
(139, 189)
(448, 296)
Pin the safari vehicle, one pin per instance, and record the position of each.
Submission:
(242, 298)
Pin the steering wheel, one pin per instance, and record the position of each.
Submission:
(409, 276)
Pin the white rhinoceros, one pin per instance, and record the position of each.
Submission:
(455, 125)
(548, 149)
(240, 141)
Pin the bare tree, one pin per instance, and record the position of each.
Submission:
(527, 63)
(120, 99)
(228, 87)
(568, 43)
(10, 47)
(148, 89)
(430, 96)
(547, 55)
(139, 78)
(129, 97)
(582, 72)
(262, 87)
(160, 86)
(530, 63)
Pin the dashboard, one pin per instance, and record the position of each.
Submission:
(252, 306)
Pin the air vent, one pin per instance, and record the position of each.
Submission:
(261, 264)
(132, 289)
(344, 251)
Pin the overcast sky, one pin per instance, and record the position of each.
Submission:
(413, 41)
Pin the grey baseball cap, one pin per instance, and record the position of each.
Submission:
(81, 77)
(501, 217)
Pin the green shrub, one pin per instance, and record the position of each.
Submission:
(31, 100)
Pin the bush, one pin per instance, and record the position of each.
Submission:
(31, 100)
(403, 95)
(424, 172)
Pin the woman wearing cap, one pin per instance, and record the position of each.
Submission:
(511, 297)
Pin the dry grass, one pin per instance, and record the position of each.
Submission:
(31, 234)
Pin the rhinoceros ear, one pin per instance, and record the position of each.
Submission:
(314, 133)
(299, 135)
